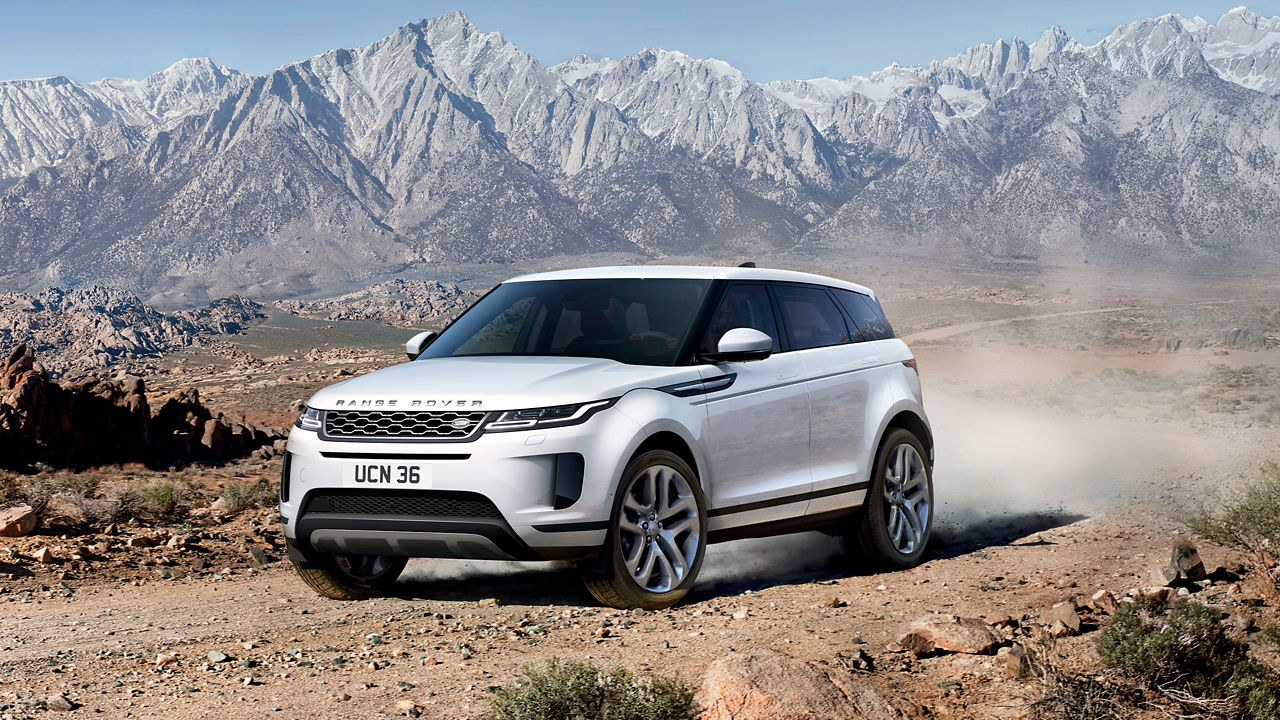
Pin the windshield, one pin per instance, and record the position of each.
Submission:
(634, 320)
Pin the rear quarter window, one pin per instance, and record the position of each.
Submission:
(866, 314)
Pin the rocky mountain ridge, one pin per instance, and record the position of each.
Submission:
(398, 303)
(94, 327)
(443, 143)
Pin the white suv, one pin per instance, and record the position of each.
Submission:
(623, 418)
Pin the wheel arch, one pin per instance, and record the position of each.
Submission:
(671, 442)
(913, 422)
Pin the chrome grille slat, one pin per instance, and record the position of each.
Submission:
(425, 425)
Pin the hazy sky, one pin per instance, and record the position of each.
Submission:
(91, 39)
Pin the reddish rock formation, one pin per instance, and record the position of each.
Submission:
(95, 421)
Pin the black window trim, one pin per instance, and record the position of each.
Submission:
(786, 329)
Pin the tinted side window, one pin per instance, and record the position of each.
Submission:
(866, 314)
(742, 306)
(811, 317)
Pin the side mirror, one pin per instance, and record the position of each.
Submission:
(418, 343)
(741, 345)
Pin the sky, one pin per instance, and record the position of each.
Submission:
(768, 40)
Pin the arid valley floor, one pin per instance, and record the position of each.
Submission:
(1080, 416)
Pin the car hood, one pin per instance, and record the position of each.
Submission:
(494, 383)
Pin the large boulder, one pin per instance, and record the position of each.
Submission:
(764, 684)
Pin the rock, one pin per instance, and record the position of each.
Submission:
(1066, 613)
(165, 659)
(1166, 575)
(44, 555)
(1013, 660)
(17, 521)
(1186, 560)
(217, 656)
(1059, 629)
(741, 614)
(834, 602)
(1158, 592)
(859, 661)
(59, 703)
(140, 541)
(488, 603)
(258, 556)
(1104, 601)
(950, 634)
(764, 684)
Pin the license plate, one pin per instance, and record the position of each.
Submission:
(387, 475)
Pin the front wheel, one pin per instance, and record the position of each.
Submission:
(657, 535)
(896, 521)
(351, 577)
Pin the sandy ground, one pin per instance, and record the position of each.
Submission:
(1067, 456)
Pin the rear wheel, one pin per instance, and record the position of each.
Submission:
(897, 519)
(351, 577)
(657, 535)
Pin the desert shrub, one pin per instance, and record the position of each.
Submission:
(1061, 695)
(245, 494)
(1271, 634)
(163, 499)
(1249, 520)
(38, 490)
(1184, 653)
(569, 690)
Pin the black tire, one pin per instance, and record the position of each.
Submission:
(613, 584)
(872, 538)
(351, 577)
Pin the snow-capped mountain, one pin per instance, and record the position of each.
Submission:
(441, 142)
(40, 119)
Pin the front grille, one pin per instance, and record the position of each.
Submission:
(425, 425)
(421, 503)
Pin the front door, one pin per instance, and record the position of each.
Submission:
(758, 425)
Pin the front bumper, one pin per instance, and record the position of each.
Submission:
(515, 471)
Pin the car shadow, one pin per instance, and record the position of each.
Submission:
(510, 583)
(729, 569)
(955, 537)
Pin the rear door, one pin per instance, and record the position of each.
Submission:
(838, 390)
(758, 423)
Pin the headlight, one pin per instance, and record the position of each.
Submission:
(557, 416)
(310, 419)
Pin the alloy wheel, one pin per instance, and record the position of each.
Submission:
(659, 528)
(906, 499)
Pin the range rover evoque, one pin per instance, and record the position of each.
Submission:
(622, 418)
